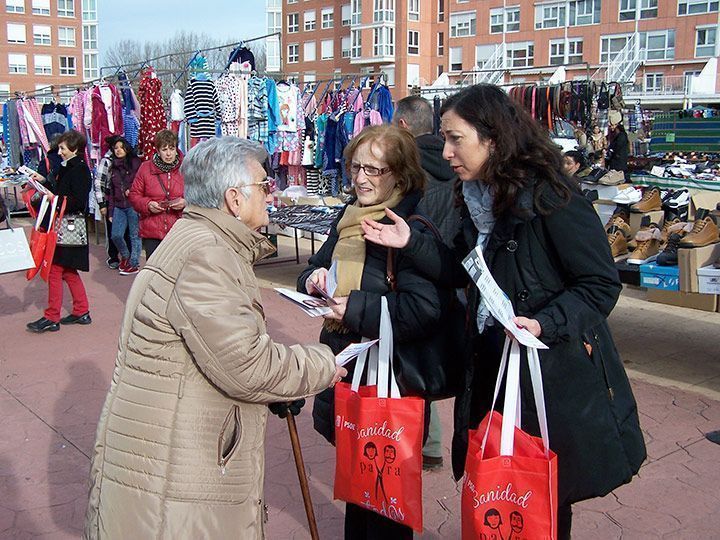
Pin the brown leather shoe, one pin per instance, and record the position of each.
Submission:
(648, 245)
(650, 202)
(704, 232)
(621, 224)
(618, 244)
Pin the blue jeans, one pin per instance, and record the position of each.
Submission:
(127, 218)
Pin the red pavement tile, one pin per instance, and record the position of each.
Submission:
(52, 388)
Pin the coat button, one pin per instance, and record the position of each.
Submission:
(511, 246)
(523, 295)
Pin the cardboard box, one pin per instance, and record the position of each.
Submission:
(691, 260)
(604, 210)
(607, 193)
(636, 219)
(709, 280)
(704, 302)
(703, 199)
(666, 278)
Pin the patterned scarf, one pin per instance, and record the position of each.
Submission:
(165, 167)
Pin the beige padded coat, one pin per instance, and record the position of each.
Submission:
(180, 443)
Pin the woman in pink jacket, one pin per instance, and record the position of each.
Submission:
(157, 193)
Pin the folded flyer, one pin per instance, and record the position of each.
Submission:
(311, 305)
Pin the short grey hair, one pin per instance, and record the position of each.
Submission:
(216, 165)
(417, 113)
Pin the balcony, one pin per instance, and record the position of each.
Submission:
(670, 90)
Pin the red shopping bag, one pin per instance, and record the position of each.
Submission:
(40, 235)
(51, 242)
(509, 488)
(378, 440)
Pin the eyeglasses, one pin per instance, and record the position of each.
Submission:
(267, 185)
(369, 170)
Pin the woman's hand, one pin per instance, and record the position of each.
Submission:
(394, 235)
(340, 372)
(37, 177)
(178, 204)
(338, 308)
(103, 211)
(531, 325)
(316, 280)
(155, 207)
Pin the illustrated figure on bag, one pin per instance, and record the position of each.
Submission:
(493, 520)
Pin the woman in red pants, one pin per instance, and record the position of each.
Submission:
(73, 183)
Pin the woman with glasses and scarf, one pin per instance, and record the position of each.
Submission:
(157, 193)
(384, 165)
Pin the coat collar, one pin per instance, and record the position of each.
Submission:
(250, 245)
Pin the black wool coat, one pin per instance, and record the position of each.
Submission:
(73, 182)
(557, 269)
(414, 306)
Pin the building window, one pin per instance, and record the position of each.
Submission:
(638, 9)
(413, 10)
(67, 65)
(345, 15)
(505, 20)
(440, 69)
(326, 18)
(90, 66)
(441, 44)
(564, 52)
(89, 10)
(293, 54)
(705, 41)
(413, 75)
(520, 54)
(41, 7)
(463, 24)
(309, 53)
(41, 35)
(43, 64)
(17, 63)
(274, 22)
(355, 43)
(384, 11)
(694, 7)
(293, 23)
(345, 47)
(658, 45)
(456, 63)
(610, 46)
(90, 36)
(66, 8)
(43, 93)
(327, 49)
(557, 52)
(575, 51)
(413, 42)
(16, 33)
(355, 11)
(309, 20)
(549, 16)
(4, 92)
(384, 41)
(273, 53)
(688, 80)
(654, 82)
(15, 6)
(292, 1)
(441, 10)
(583, 12)
(66, 36)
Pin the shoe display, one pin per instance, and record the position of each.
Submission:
(43, 325)
(621, 224)
(669, 255)
(432, 463)
(619, 212)
(677, 199)
(648, 245)
(629, 195)
(112, 263)
(129, 270)
(612, 178)
(704, 232)
(77, 319)
(670, 225)
(591, 194)
(650, 202)
(618, 244)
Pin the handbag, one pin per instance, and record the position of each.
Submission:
(603, 100)
(616, 101)
(509, 489)
(40, 236)
(378, 437)
(443, 377)
(14, 248)
(72, 231)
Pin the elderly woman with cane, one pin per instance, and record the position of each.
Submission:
(180, 443)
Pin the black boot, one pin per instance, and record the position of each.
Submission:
(43, 325)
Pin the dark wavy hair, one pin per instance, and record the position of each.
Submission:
(129, 150)
(523, 151)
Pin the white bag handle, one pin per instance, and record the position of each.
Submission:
(43, 209)
(380, 369)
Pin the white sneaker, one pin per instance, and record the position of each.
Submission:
(628, 196)
(678, 199)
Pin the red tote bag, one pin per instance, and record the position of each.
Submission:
(39, 236)
(378, 438)
(52, 237)
(509, 490)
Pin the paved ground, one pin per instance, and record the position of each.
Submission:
(52, 387)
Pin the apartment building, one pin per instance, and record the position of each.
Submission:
(662, 50)
(47, 43)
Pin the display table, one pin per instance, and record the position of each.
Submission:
(674, 183)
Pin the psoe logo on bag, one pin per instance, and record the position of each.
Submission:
(341, 423)
(381, 431)
(499, 494)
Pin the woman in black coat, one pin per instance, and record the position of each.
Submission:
(385, 168)
(618, 144)
(546, 248)
(73, 184)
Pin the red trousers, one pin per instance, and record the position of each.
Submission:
(55, 292)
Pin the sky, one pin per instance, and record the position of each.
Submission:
(156, 20)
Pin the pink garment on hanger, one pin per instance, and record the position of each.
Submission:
(375, 120)
(31, 120)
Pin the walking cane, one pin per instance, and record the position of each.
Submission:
(302, 476)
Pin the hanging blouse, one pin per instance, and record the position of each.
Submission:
(288, 103)
(32, 132)
(177, 106)
(232, 91)
(257, 110)
(152, 113)
(54, 118)
(201, 107)
(107, 118)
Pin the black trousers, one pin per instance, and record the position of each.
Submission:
(361, 524)
(564, 522)
(150, 245)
